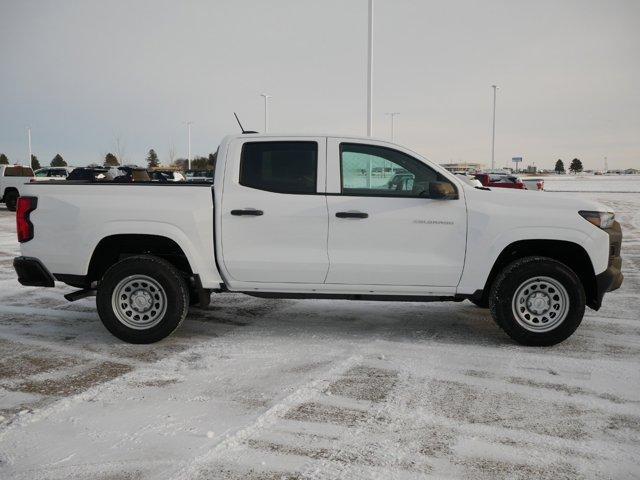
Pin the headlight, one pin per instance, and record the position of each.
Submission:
(599, 219)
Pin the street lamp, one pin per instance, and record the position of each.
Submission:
(370, 72)
(189, 144)
(392, 115)
(29, 140)
(266, 97)
(493, 135)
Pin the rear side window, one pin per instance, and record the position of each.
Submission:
(18, 171)
(281, 167)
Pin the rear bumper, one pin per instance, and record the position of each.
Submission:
(31, 272)
(612, 277)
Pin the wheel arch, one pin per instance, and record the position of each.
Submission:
(568, 253)
(113, 248)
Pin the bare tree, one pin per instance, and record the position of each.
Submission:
(172, 154)
(120, 149)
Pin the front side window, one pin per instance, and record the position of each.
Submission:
(41, 173)
(379, 171)
(281, 167)
(57, 172)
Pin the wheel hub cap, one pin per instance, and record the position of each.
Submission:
(139, 302)
(540, 304)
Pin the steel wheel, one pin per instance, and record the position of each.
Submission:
(540, 304)
(139, 302)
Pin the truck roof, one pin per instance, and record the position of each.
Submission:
(285, 134)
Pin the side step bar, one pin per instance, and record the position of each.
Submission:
(78, 294)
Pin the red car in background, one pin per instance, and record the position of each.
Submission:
(500, 180)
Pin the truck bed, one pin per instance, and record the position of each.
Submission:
(182, 212)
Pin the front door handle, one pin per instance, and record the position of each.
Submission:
(352, 214)
(247, 211)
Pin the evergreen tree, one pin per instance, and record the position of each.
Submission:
(152, 159)
(35, 163)
(199, 163)
(110, 160)
(212, 160)
(576, 166)
(3, 159)
(58, 161)
(204, 163)
(560, 166)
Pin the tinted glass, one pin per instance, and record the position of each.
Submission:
(371, 170)
(57, 172)
(283, 167)
(18, 171)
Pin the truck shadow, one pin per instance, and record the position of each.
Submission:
(459, 323)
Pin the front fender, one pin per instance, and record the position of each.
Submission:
(484, 250)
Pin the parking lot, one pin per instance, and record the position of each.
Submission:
(283, 389)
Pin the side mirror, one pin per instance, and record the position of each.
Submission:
(442, 191)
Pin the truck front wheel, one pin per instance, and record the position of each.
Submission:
(142, 299)
(537, 301)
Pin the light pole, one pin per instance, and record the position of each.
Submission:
(392, 115)
(29, 140)
(370, 72)
(189, 144)
(266, 110)
(493, 135)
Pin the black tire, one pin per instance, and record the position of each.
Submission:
(11, 200)
(165, 281)
(481, 302)
(529, 269)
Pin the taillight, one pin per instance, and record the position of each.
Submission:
(25, 206)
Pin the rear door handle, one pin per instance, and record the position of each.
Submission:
(247, 211)
(352, 215)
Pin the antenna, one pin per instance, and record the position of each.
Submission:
(238, 120)
(242, 129)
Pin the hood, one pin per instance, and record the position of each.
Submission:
(530, 199)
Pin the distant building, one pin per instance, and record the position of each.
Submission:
(463, 167)
(531, 169)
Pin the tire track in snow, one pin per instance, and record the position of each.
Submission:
(47, 313)
(236, 440)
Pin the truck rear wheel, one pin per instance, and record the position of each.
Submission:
(537, 301)
(142, 299)
(11, 200)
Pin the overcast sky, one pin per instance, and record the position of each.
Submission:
(83, 73)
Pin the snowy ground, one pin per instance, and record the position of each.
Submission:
(271, 389)
(592, 183)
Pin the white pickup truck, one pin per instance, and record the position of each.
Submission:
(12, 178)
(301, 216)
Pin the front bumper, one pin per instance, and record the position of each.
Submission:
(612, 277)
(31, 272)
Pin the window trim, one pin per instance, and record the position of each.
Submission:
(383, 195)
(318, 163)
